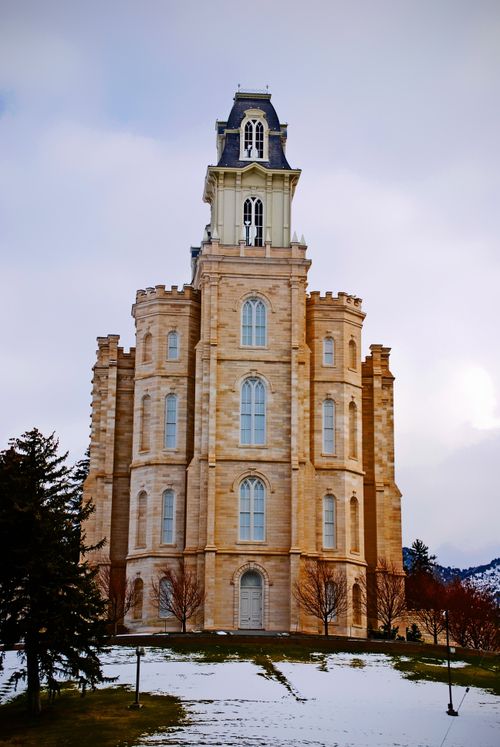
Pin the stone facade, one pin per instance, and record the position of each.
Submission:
(243, 435)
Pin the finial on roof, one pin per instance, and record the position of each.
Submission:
(215, 235)
(294, 238)
(302, 240)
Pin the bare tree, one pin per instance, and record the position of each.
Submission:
(385, 598)
(426, 597)
(178, 593)
(474, 616)
(322, 592)
(119, 594)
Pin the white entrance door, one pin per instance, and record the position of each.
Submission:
(251, 600)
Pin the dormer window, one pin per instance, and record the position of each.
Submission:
(254, 137)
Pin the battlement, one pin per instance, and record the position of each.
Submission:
(377, 361)
(187, 293)
(108, 351)
(341, 299)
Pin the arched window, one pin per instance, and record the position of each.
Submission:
(328, 426)
(252, 509)
(353, 355)
(147, 348)
(253, 144)
(164, 598)
(356, 605)
(253, 221)
(171, 421)
(328, 351)
(142, 520)
(253, 412)
(145, 423)
(329, 521)
(168, 521)
(138, 599)
(253, 323)
(353, 430)
(173, 345)
(354, 524)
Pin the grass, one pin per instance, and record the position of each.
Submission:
(474, 673)
(101, 719)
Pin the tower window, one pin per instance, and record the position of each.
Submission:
(253, 413)
(252, 509)
(353, 355)
(328, 426)
(353, 430)
(354, 524)
(145, 423)
(328, 351)
(142, 517)
(253, 221)
(171, 421)
(167, 534)
(147, 348)
(253, 146)
(172, 345)
(329, 521)
(253, 323)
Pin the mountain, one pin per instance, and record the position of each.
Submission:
(480, 575)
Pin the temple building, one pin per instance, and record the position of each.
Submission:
(244, 435)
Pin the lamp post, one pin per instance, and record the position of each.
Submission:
(451, 711)
(139, 651)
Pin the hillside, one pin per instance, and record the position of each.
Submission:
(481, 575)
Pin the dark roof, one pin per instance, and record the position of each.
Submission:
(231, 153)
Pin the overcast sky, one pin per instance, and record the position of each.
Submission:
(107, 114)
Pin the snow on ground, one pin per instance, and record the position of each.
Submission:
(339, 700)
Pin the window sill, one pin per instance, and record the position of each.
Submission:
(253, 446)
(251, 542)
(328, 456)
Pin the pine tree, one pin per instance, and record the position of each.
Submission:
(49, 600)
(419, 559)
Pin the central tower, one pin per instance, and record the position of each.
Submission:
(247, 480)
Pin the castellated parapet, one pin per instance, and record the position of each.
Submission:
(243, 437)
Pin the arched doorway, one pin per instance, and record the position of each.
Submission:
(251, 597)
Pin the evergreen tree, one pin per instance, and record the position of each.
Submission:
(49, 600)
(419, 559)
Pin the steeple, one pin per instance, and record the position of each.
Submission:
(251, 188)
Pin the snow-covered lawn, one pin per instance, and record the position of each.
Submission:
(341, 699)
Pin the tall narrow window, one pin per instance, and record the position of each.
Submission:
(253, 413)
(253, 145)
(328, 426)
(147, 348)
(167, 532)
(353, 430)
(253, 323)
(165, 595)
(328, 351)
(253, 220)
(252, 509)
(329, 521)
(138, 599)
(353, 355)
(145, 423)
(356, 605)
(171, 421)
(172, 345)
(142, 518)
(354, 524)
